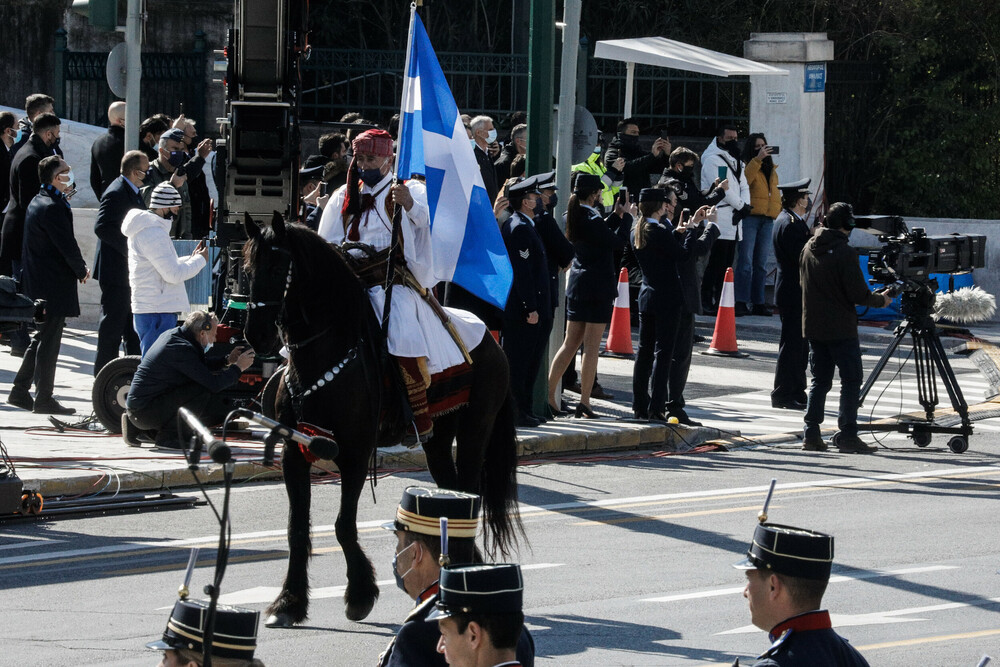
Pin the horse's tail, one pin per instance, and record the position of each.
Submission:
(499, 483)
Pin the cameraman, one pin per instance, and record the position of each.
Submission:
(832, 284)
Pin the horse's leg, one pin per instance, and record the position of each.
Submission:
(292, 604)
(362, 591)
(437, 450)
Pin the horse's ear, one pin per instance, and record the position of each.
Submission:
(278, 225)
(252, 230)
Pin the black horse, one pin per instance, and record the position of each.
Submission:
(304, 295)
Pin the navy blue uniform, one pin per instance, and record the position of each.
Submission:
(808, 640)
(593, 277)
(415, 645)
(558, 250)
(525, 343)
(660, 304)
(789, 237)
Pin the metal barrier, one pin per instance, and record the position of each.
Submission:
(169, 80)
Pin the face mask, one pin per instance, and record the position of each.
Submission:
(371, 177)
(491, 136)
(731, 147)
(70, 179)
(553, 200)
(539, 206)
(629, 140)
(169, 215)
(208, 346)
(177, 158)
(687, 171)
(17, 136)
(473, 142)
(55, 143)
(395, 572)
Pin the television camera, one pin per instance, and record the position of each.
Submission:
(906, 262)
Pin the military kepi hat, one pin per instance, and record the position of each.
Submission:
(235, 633)
(801, 187)
(795, 552)
(479, 589)
(420, 511)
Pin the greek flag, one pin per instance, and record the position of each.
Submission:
(468, 248)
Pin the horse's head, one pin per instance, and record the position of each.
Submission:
(267, 261)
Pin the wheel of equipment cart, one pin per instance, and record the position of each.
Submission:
(111, 389)
(921, 438)
(958, 444)
(31, 502)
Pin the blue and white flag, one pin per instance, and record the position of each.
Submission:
(468, 248)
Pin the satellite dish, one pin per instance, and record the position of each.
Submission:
(117, 70)
(585, 134)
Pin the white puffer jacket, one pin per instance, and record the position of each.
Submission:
(155, 273)
(737, 195)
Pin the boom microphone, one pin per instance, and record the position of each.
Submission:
(217, 451)
(318, 446)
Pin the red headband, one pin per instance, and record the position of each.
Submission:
(374, 142)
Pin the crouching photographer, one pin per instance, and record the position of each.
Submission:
(175, 373)
(832, 285)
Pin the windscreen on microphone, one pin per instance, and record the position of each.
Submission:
(220, 452)
(324, 448)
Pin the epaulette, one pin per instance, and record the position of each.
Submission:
(421, 610)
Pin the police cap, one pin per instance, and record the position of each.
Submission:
(525, 186)
(795, 552)
(420, 511)
(312, 167)
(796, 187)
(587, 183)
(546, 181)
(479, 589)
(235, 634)
(655, 194)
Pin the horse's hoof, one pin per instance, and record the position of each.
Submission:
(280, 620)
(359, 612)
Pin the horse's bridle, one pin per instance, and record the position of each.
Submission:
(281, 319)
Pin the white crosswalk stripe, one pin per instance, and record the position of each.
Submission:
(751, 413)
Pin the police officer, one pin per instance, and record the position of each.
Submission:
(235, 636)
(558, 249)
(527, 318)
(787, 571)
(658, 248)
(480, 615)
(417, 566)
(790, 235)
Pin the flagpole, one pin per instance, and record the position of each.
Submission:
(406, 88)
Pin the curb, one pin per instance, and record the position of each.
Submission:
(559, 438)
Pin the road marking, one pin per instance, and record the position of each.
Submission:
(882, 617)
(930, 640)
(660, 517)
(262, 594)
(715, 592)
(136, 549)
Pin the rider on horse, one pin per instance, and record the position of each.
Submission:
(362, 212)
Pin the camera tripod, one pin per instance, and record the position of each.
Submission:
(930, 361)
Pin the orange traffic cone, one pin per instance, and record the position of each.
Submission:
(724, 337)
(620, 337)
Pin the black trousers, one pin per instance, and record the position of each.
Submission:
(657, 334)
(115, 326)
(829, 355)
(39, 362)
(680, 365)
(161, 414)
(793, 358)
(524, 344)
(719, 259)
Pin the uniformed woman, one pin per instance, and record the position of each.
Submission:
(658, 248)
(590, 290)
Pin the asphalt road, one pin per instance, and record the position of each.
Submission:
(627, 562)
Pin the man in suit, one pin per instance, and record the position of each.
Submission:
(52, 266)
(107, 151)
(111, 260)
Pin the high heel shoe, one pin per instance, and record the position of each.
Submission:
(557, 412)
(583, 412)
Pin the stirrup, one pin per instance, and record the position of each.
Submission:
(412, 440)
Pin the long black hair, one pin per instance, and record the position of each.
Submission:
(749, 153)
(575, 214)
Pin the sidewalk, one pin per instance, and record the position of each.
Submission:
(78, 463)
(88, 462)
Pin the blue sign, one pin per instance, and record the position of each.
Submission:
(815, 78)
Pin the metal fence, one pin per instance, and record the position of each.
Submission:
(171, 82)
(337, 81)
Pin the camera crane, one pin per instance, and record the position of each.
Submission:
(905, 262)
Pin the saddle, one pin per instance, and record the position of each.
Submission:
(369, 265)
